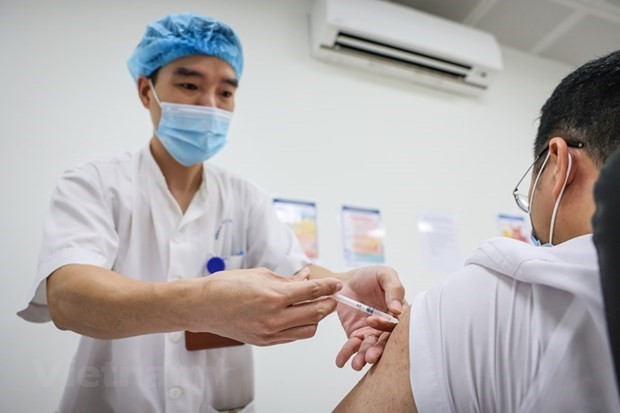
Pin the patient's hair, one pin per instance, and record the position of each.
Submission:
(585, 107)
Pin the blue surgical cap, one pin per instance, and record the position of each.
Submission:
(185, 34)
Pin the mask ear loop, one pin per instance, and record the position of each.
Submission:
(557, 203)
(154, 93)
(531, 200)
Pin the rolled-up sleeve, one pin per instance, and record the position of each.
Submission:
(79, 229)
(453, 343)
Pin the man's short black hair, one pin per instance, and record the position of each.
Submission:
(154, 77)
(585, 107)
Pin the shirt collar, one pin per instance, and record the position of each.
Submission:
(160, 180)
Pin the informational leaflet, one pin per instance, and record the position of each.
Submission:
(300, 216)
(439, 244)
(513, 226)
(363, 236)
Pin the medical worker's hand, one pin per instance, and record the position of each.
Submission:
(380, 288)
(259, 307)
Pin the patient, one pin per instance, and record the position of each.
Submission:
(606, 230)
(520, 328)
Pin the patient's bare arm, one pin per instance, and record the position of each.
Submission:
(386, 387)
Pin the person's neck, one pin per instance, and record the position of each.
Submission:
(576, 211)
(183, 181)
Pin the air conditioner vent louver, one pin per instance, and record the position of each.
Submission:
(388, 53)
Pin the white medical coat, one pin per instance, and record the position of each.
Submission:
(518, 329)
(119, 214)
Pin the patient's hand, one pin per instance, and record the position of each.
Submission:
(378, 287)
(365, 345)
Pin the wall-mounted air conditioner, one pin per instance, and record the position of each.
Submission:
(396, 40)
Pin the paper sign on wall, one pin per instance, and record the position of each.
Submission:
(363, 236)
(513, 226)
(300, 216)
(439, 245)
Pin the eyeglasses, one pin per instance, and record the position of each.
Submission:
(523, 201)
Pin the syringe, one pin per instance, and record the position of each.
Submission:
(364, 308)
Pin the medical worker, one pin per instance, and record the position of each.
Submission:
(142, 247)
(521, 327)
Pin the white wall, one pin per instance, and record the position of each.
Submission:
(303, 129)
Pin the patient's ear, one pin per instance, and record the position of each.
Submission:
(563, 163)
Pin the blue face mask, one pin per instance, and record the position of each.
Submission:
(190, 133)
(536, 242)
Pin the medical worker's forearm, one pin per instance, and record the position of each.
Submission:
(253, 306)
(103, 304)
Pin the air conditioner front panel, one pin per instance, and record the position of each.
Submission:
(407, 28)
(395, 40)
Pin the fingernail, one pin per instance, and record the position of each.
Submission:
(339, 286)
(396, 305)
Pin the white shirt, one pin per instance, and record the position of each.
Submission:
(119, 214)
(518, 329)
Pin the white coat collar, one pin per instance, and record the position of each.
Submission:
(571, 266)
(159, 192)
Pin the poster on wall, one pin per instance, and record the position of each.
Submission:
(300, 216)
(363, 236)
(439, 244)
(513, 226)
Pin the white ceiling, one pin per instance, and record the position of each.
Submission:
(571, 31)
